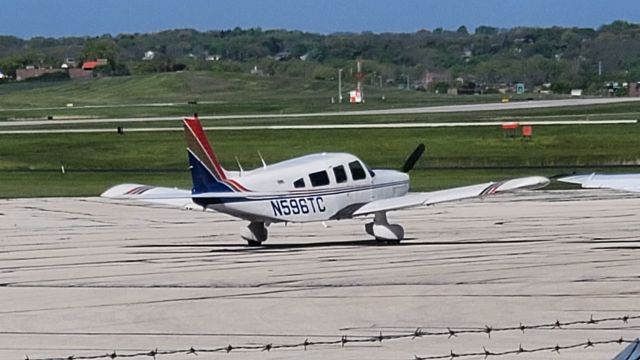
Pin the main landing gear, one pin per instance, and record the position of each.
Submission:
(255, 233)
(383, 231)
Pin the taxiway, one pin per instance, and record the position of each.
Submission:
(87, 276)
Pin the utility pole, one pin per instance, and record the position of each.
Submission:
(339, 86)
(599, 68)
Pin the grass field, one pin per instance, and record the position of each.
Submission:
(168, 94)
(30, 165)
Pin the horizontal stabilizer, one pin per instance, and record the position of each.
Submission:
(152, 194)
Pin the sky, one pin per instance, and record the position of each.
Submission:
(56, 18)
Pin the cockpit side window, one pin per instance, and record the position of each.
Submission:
(341, 175)
(319, 178)
(299, 183)
(357, 171)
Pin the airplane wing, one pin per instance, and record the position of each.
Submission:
(153, 194)
(459, 193)
(174, 196)
(623, 182)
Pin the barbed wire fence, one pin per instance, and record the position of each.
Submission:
(344, 340)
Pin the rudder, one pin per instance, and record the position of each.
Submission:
(206, 172)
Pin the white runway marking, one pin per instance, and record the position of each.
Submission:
(328, 126)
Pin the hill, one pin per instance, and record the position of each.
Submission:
(489, 58)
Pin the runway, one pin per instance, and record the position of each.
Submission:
(519, 105)
(90, 276)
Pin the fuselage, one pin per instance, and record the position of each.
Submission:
(314, 187)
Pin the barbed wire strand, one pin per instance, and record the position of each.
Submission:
(486, 353)
(418, 333)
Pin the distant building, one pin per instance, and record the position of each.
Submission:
(89, 65)
(256, 71)
(634, 89)
(214, 57)
(31, 72)
(282, 55)
(576, 92)
(148, 56)
(75, 73)
(93, 64)
(430, 78)
(2, 75)
(70, 63)
(355, 97)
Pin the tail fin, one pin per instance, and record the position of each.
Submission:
(206, 172)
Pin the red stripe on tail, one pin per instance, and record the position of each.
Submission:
(194, 125)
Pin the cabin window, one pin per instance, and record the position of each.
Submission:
(298, 183)
(319, 178)
(357, 171)
(341, 175)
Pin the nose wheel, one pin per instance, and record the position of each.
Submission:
(255, 234)
(383, 231)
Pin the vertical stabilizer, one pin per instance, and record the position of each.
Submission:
(206, 172)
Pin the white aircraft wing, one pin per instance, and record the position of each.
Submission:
(174, 196)
(152, 194)
(459, 193)
(624, 182)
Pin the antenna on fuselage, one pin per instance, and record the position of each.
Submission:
(239, 166)
(264, 164)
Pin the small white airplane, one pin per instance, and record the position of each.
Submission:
(315, 187)
(624, 182)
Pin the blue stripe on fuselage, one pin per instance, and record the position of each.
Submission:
(300, 194)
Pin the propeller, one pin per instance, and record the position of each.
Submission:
(413, 158)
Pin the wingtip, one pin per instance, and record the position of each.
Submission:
(576, 179)
(119, 190)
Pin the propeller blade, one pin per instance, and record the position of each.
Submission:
(413, 158)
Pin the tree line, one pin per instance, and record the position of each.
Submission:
(565, 57)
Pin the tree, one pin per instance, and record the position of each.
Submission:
(100, 48)
(486, 30)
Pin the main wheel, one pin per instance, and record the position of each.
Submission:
(255, 233)
(388, 241)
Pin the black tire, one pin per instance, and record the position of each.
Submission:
(387, 241)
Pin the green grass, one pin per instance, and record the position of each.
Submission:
(216, 93)
(30, 164)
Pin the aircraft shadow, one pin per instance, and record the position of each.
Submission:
(241, 247)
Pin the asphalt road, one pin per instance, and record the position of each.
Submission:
(87, 276)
